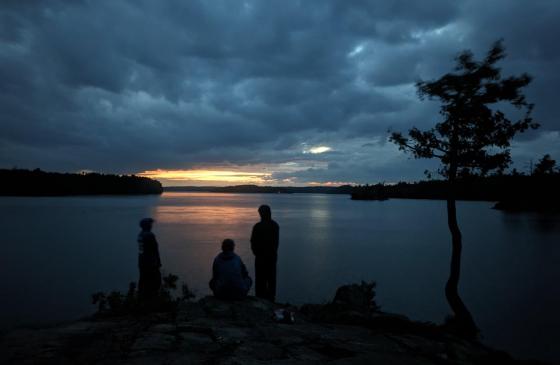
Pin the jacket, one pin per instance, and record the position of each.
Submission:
(230, 278)
(148, 251)
(265, 239)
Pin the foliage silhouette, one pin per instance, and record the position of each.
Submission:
(115, 303)
(545, 166)
(369, 192)
(473, 139)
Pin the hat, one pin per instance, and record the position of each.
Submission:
(146, 222)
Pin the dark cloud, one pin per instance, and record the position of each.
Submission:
(129, 86)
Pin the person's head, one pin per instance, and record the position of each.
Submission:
(228, 245)
(264, 212)
(146, 224)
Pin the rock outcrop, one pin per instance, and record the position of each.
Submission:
(212, 331)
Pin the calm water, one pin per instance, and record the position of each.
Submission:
(57, 251)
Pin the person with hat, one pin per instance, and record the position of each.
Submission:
(149, 262)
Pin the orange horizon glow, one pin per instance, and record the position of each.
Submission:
(259, 174)
(330, 183)
(202, 175)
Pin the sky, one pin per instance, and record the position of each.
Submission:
(228, 92)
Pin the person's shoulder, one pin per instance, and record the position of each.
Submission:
(145, 234)
(274, 223)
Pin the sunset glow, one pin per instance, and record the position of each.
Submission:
(195, 176)
(223, 175)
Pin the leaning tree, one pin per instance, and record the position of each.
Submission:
(473, 138)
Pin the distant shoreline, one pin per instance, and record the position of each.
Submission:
(255, 189)
(38, 183)
(537, 193)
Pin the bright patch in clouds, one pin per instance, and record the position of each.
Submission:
(318, 149)
(357, 50)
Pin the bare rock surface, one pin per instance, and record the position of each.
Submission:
(212, 331)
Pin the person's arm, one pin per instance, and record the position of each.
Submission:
(156, 247)
(214, 270)
(244, 272)
(212, 282)
(276, 238)
(254, 240)
(151, 251)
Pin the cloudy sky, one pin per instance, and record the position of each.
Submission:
(268, 92)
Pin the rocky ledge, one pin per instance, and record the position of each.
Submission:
(211, 331)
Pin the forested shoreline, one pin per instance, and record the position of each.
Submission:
(511, 192)
(20, 182)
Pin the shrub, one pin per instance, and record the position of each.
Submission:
(115, 303)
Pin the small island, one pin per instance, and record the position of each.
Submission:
(19, 182)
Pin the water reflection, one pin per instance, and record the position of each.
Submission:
(316, 239)
(541, 222)
(320, 211)
(191, 227)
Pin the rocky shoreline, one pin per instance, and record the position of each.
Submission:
(348, 330)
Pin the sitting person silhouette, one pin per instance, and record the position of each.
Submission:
(230, 279)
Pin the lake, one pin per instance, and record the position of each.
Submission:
(57, 251)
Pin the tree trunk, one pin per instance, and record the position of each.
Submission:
(463, 320)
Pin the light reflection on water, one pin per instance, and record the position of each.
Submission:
(57, 251)
(190, 235)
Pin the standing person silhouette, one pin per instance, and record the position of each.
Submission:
(264, 244)
(149, 262)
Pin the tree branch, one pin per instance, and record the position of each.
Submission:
(416, 149)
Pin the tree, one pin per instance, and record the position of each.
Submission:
(545, 166)
(472, 139)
